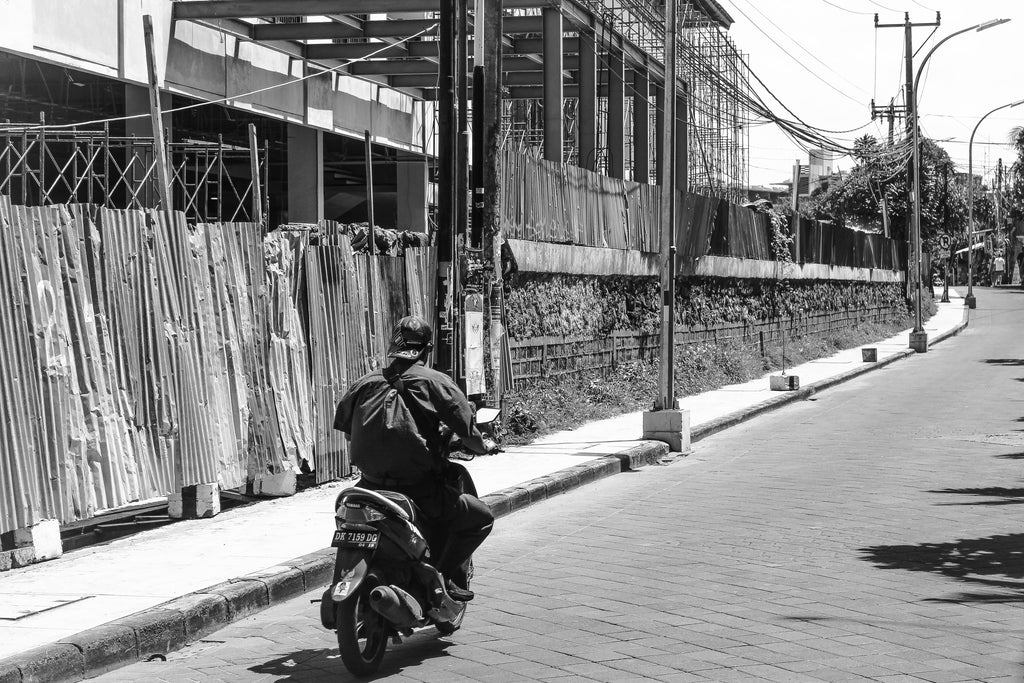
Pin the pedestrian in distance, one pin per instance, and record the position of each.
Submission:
(998, 266)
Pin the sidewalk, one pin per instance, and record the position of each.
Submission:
(174, 584)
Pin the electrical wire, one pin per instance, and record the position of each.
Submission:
(790, 55)
(846, 9)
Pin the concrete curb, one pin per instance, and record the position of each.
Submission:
(184, 620)
(172, 625)
(732, 419)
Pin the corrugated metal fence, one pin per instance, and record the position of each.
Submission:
(550, 202)
(141, 354)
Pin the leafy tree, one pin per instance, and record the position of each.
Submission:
(1014, 194)
(881, 171)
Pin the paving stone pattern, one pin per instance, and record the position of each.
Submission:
(870, 533)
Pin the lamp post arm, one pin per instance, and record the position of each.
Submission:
(920, 69)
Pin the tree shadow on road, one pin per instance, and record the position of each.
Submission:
(312, 666)
(1004, 495)
(994, 562)
(1011, 456)
(1004, 361)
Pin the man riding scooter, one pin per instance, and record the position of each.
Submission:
(393, 418)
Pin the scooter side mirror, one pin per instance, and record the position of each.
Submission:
(485, 416)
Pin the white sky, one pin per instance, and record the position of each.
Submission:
(965, 78)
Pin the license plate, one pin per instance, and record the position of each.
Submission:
(344, 538)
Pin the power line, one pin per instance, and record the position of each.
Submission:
(799, 45)
(790, 55)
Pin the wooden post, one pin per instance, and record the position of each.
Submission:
(155, 115)
(254, 165)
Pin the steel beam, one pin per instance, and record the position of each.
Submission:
(553, 83)
(641, 126)
(587, 106)
(616, 115)
(236, 9)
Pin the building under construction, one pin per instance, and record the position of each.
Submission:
(581, 83)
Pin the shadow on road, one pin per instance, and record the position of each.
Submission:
(1011, 456)
(1006, 496)
(308, 666)
(1004, 361)
(995, 562)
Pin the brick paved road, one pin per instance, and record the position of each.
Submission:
(871, 533)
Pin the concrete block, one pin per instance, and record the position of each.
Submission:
(869, 354)
(48, 663)
(43, 537)
(283, 583)
(919, 341)
(538, 490)
(784, 382)
(197, 501)
(9, 672)
(22, 557)
(283, 483)
(201, 613)
(156, 632)
(244, 597)
(105, 648)
(317, 568)
(518, 498)
(671, 426)
(6, 560)
(554, 485)
(499, 504)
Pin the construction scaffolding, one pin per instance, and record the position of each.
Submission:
(210, 181)
(714, 70)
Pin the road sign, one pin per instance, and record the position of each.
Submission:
(945, 242)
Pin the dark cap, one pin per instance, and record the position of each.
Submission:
(409, 337)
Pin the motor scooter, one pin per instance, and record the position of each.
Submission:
(385, 582)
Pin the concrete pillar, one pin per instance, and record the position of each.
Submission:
(412, 195)
(305, 174)
(641, 126)
(552, 83)
(616, 114)
(586, 111)
(136, 101)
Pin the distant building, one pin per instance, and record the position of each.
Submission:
(772, 193)
(822, 167)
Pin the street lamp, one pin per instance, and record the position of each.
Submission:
(918, 337)
(970, 300)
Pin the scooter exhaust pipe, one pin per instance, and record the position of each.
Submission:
(395, 605)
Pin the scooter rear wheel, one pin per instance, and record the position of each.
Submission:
(362, 632)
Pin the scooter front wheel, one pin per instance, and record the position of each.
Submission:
(362, 632)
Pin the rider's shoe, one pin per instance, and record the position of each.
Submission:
(460, 594)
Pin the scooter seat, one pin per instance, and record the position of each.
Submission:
(403, 502)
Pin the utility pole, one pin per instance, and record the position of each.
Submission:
(913, 238)
(999, 197)
(445, 317)
(891, 112)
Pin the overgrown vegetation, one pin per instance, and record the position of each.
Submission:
(589, 306)
(567, 401)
